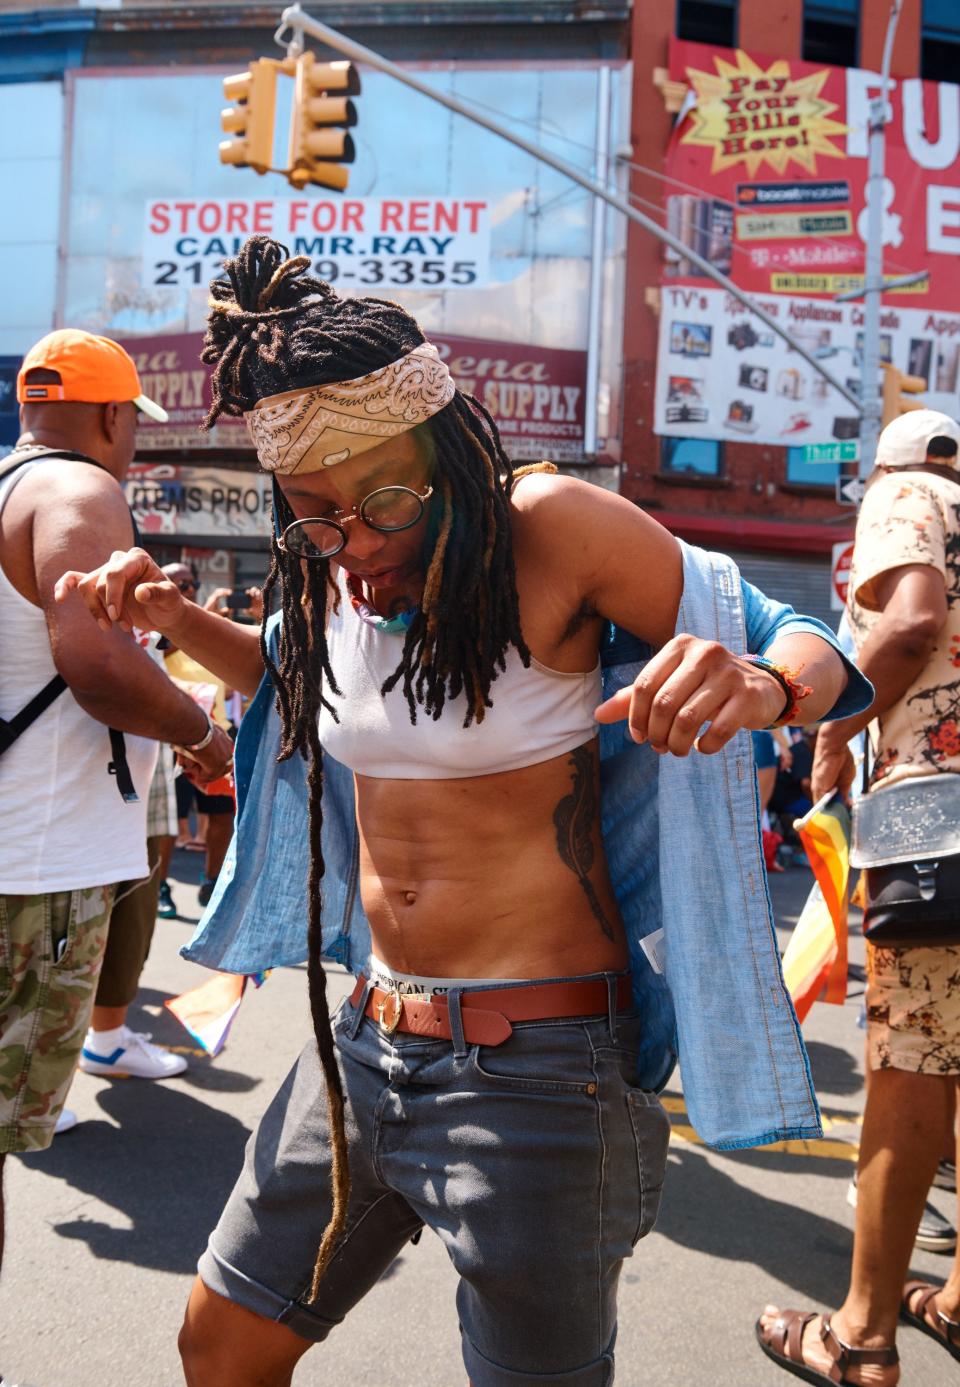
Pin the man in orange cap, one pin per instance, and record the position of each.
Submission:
(73, 788)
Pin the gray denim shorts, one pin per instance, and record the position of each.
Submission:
(548, 1161)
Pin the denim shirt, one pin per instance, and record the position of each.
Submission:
(683, 847)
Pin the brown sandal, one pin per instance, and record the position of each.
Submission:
(946, 1331)
(785, 1347)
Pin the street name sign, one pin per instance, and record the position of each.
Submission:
(832, 452)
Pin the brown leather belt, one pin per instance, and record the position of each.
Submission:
(487, 1015)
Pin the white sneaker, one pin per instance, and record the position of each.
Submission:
(946, 1176)
(134, 1057)
(65, 1123)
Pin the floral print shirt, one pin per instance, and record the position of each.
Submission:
(913, 518)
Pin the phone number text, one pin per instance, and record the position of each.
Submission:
(414, 272)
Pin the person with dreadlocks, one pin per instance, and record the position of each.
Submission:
(447, 629)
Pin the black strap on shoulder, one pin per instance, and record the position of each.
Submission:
(119, 767)
(15, 727)
(11, 729)
(38, 452)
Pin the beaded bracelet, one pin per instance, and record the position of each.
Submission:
(794, 692)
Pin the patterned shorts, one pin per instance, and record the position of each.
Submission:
(913, 1009)
(51, 948)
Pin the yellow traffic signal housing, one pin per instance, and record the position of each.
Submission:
(895, 383)
(322, 114)
(251, 117)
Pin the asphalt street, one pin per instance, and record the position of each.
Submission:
(104, 1229)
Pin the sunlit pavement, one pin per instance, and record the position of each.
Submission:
(105, 1228)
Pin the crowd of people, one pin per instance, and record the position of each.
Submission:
(494, 697)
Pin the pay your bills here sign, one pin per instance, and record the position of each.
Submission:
(363, 245)
(771, 159)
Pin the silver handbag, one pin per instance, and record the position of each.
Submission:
(906, 838)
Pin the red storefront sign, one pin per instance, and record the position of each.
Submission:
(771, 154)
(173, 375)
(535, 394)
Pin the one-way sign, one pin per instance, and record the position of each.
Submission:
(849, 491)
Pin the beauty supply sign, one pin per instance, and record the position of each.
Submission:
(721, 373)
(360, 245)
(535, 394)
(172, 374)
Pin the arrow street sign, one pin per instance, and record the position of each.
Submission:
(849, 491)
(832, 452)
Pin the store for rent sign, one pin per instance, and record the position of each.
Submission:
(355, 243)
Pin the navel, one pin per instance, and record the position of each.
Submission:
(410, 897)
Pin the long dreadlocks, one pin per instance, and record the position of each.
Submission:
(272, 328)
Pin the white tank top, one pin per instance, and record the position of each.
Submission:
(537, 713)
(63, 823)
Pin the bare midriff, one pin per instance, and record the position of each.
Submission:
(492, 876)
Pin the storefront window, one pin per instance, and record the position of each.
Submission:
(708, 21)
(700, 457)
(811, 473)
(940, 41)
(831, 31)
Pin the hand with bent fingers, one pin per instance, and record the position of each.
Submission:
(128, 590)
(690, 682)
(201, 767)
(833, 767)
(217, 602)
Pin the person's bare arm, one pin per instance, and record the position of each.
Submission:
(81, 516)
(130, 590)
(913, 607)
(622, 565)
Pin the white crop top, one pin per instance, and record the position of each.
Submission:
(537, 713)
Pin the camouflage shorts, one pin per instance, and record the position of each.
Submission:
(913, 1009)
(51, 949)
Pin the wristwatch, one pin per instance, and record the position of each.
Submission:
(204, 741)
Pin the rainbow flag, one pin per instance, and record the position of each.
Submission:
(815, 962)
(208, 1011)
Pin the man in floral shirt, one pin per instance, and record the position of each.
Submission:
(904, 609)
(911, 520)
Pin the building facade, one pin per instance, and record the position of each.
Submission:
(588, 341)
(507, 266)
(760, 501)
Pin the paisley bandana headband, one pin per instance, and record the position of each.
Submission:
(336, 422)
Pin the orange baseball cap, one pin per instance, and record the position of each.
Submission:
(92, 370)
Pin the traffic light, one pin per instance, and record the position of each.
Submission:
(322, 113)
(250, 118)
(895, 383)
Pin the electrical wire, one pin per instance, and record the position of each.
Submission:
(655, 208)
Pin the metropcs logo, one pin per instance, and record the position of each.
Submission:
(750, 116)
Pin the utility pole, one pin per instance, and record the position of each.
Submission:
(871, 406)
(873, 266)
(296, 20)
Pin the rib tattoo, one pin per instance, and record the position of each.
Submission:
(574, 818)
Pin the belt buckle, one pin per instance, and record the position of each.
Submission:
(388, 1026)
